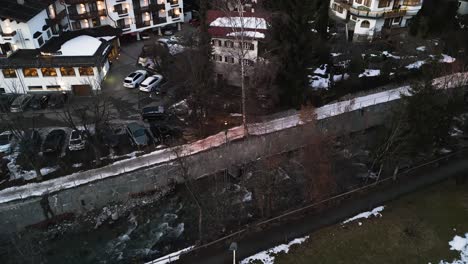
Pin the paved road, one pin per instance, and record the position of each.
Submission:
(285, 232)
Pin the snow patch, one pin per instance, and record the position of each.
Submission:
(415, 65)
(421, 48)
(375, 212)
(460, 244)
(369, 73)
(268, 256)
(447, 59)
(389, 55)
(170, 257)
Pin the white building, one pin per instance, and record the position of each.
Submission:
(132, 16)
(368, 19)
(235, 39)
(463, 7)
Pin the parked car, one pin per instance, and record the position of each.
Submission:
(153, 113)
(54, 141)
(6, 100)
(39, 101)
(20, 103)
(32, 139)
(145, 35)
(77, 141)
(164, 132)
(6, 142)
(4, 171)
(151, 83)
(111, 136)
(134, 79)
(56, 100)
(137, 134)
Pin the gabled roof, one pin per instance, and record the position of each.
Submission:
(226, 24)
(10, 9)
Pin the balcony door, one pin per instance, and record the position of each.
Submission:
(93, 7)
(396, 4)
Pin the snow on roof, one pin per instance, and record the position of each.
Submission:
(369, 73)
(249, 34)
(460, 244)
(80, 46)
(240, 22)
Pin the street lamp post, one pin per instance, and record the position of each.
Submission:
(233, 248)
(226, 130)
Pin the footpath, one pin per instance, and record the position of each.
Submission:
(251, 243)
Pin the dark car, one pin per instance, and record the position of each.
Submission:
(56, 100)
(4, 171)
(31, 139)
(165, 133)
(6, 100)
(111, 136)
(54, 141)
(153, 113)
(39, 102)
(137, 134)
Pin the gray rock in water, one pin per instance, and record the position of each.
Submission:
(115, 216)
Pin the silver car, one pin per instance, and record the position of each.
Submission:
(20, 103)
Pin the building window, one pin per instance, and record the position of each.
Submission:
(9, 73)
(412, 2)
(365, 24)
(49, 72)
(217, 57)
(229, 44)
(30, 72)
(86, 71)
(384, 3)
(53, 87)
(229, 59)
(367, 3)
(397, 20)
(67, 71)
(40, 41)
(358, 1)
(248, 62)
(337, 8)
(32, 88)
(247, 45)
(49, 34)
(76, 25)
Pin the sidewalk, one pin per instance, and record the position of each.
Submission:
(287, 231)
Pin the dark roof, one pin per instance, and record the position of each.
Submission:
(32, 57)
(55, 43)
(10, 9)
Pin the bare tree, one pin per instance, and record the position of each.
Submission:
(188, 183)
(244, 32)
(90, 118)
(22, 130)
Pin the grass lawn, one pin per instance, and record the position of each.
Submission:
(413, 229)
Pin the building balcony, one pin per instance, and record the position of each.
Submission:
(90, 14)
(143, 24)
(376, 14)
(8, 37)
(149, 8)
(74, 2)
(121, 12)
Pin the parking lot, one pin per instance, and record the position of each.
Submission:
(126, 104)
